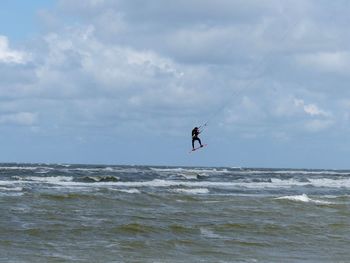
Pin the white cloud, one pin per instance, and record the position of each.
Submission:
(152, 62)
(311, 109)
(98, 82)
(8, 55)
(107, 67)
(137, 61)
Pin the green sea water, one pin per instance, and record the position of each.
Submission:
(79, 213)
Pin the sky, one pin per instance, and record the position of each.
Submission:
(125, 81)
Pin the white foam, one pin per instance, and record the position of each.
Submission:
(42, 171)
(317, 182)
(192, 191)
(48, 179)
(334, 183)
(12, 189)
(31, 168)
(8, 182)
(293, 172)
(12, 194)
(190, 170)
(189, 175)
(85, 169)
(249, 171)
(102, 169)
(167, 169)
(302, 198)
(274, 183)
(67, 181)
(129, 191)
(65, 165)
(336, 196)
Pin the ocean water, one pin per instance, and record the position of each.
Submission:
(89, 213)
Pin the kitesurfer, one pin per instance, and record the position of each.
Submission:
(195, 133)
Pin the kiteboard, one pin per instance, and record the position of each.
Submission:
(195, 149)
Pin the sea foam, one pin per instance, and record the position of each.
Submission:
(192, 191)
(303, 198)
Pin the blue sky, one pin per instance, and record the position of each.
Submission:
(124, 82)
(18, 19)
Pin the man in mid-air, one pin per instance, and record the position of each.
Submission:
(195, 133)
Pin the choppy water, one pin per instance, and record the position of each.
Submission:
(80, 213)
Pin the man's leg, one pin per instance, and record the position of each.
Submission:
(196, 139)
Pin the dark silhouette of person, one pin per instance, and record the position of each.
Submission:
(195, 133)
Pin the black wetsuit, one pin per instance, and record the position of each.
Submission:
(195, 133)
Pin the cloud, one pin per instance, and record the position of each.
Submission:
(189, 31)
(262, 72)
(116, 63)
(77, 78)
(311, 109)
(8, 55)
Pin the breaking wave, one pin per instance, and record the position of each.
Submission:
(93, 179)
(192, 191)
(303, 198)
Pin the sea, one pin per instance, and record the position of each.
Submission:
(117, 213)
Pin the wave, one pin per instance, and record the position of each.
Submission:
(25, 167)
(293, 172)
(43, 171)
(192, 191)
(167, 169)
(69, 169)
(303, 198)
(92, 179)
(44, 179)
(44, 168)
(130, 191)
(246, 171)
(189, 175)
(190, 170)
(97, 169)
(11, 194)
(327, 182)
(8, 183)
(253, 183)
(12, 189)
(193, 175)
